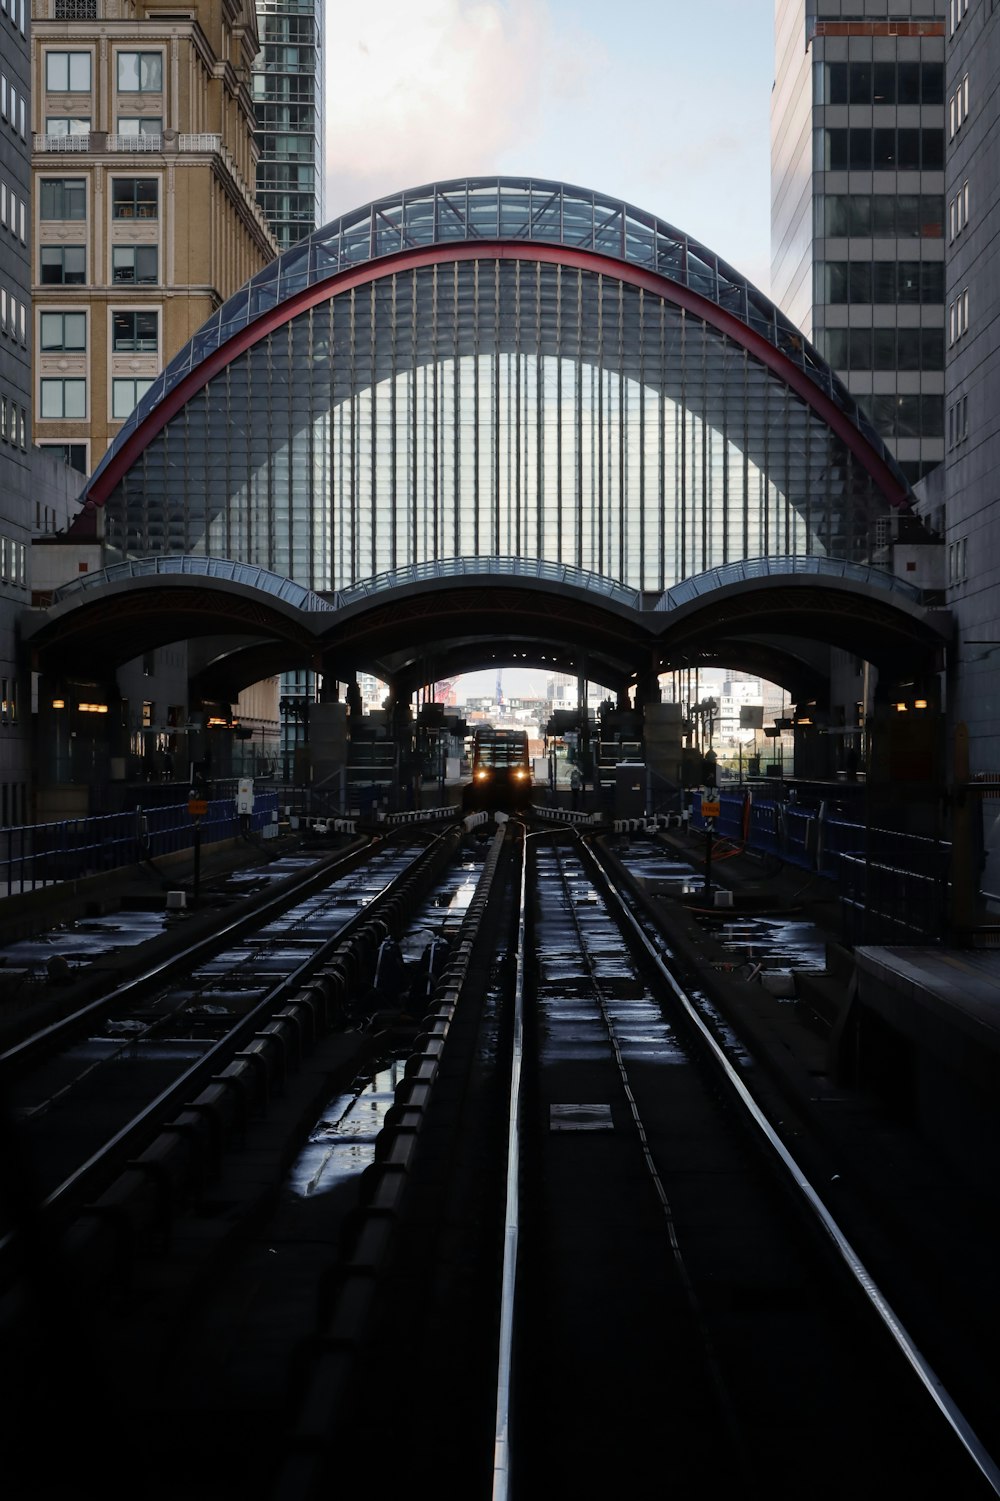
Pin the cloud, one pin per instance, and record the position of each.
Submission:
(419, 90)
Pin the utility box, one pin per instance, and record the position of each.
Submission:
(244, 795)
(630, 789)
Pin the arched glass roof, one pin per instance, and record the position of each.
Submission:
(515, 209)
(779, 568)
(215, 568)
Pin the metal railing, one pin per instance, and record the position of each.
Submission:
(893, 886)
(33, 856)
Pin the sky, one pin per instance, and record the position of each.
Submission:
(664, 103)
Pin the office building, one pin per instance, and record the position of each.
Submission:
(858, 204)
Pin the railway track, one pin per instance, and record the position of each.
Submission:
(644, 1289)
(582, 1259)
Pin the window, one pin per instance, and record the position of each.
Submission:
(958, 317)
(860, 148)
(958, 210)
(140, 125)
(63, 198)
(958, 106)
(134, 198)
(135, 332)
(136, 264)
(64, 265)
(957, 561)
(63, 397)
(63, 333)
(72, 454)
(959, 9)
(140, 72)
(125, 392)
(67, 125)
(67, 72)
(958, 422)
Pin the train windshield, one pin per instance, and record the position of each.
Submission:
(494, 750)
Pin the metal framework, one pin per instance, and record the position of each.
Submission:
(497, 367)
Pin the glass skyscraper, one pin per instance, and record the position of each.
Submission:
(288, 99)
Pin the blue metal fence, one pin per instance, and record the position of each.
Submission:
(893, 886)
(35, 855)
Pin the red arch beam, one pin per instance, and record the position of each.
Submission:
(585, 260)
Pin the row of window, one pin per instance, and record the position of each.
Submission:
(131, 265)
(63, 398)
(889, 148)
(13, 213)
(72, 72)
(958, 107)
(958, 422)
(898, 216)
(13, 570)
(906, 416)
(879, 282)
(958, 317)
(12, 106)
(13, 423)
(8, 692)
(958, 210)
(959, 10)
(15, 9)
(882, 348)
(62, 198)
(889, 82)
(132, 332)
(13, 317)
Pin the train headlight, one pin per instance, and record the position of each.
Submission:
(520, 773)
(482, 775)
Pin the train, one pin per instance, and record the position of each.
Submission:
(501, 771)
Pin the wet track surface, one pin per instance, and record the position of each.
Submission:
(675, 1328)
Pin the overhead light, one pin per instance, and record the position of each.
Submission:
(900, 708)
(920, 703)
(93, 708)
(58, 703)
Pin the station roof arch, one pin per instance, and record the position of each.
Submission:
(496, 366)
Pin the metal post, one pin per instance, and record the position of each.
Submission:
(708, 855)
(197, 858)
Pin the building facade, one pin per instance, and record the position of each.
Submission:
(967, 483)
(145, 218)
(16, 496)
(858, 204)
(288, 99)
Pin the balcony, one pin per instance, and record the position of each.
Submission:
(97, 141)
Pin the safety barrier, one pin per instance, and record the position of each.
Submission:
(893, 885)
(38, 855)
(423, 815)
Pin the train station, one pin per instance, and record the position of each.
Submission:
(487, 423)
(396, 1097)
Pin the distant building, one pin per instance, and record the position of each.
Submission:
(288, 97)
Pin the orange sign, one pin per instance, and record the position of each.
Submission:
(710, 810)
(197, 807)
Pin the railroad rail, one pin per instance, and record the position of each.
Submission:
(585, 1253)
